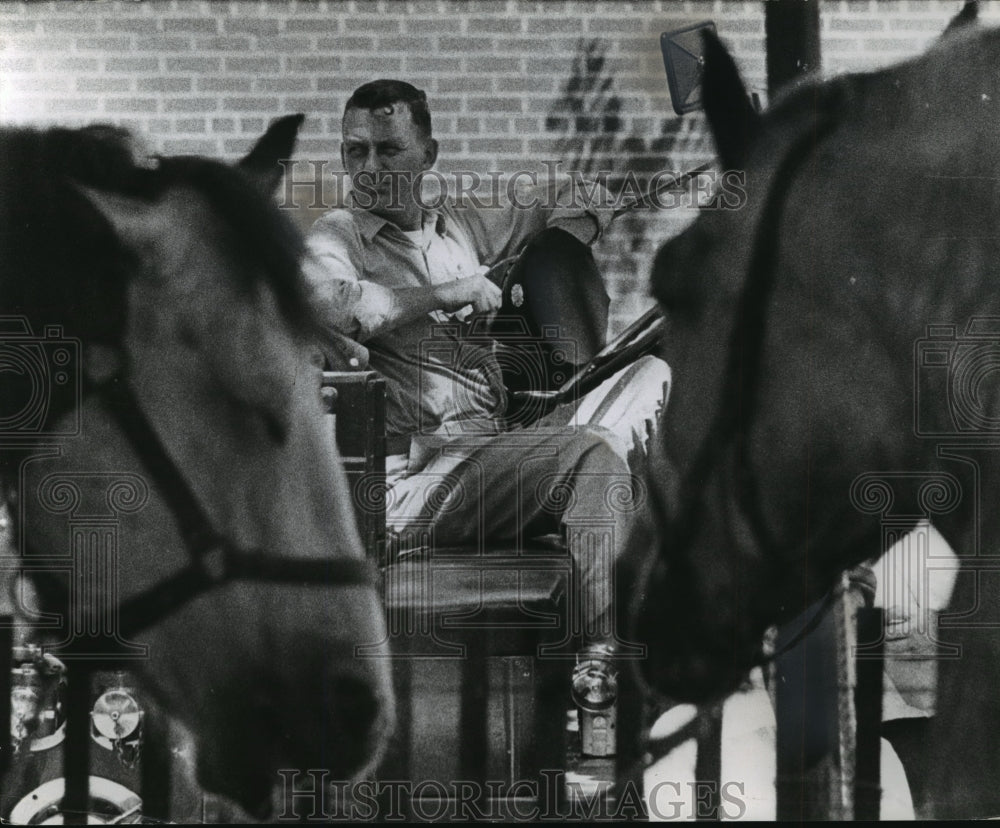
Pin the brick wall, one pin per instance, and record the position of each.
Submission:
(511, 83)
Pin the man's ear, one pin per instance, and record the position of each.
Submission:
(430, 153)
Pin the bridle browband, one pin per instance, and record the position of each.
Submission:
(214, 559)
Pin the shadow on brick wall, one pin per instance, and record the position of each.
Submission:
(596, 138)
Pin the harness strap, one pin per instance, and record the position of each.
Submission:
(225, 564)
(214, 559)
(747, 361)
(193, 523)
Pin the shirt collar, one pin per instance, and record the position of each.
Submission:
(369, 224)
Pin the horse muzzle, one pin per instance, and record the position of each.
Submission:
(334, 731)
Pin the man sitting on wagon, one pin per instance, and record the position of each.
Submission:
(409, 282)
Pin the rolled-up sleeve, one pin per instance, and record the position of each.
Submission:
(580, 210)
(348, 304)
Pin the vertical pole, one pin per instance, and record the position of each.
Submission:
(399, 762)
(708, 765)
(512, 726)
(634, 721)
(474, 748)
(155, 778)
(76, 756)
(843, 782)
(546, 748)
(793, 48)
(868, 704)
(806, 710)
(6, 653)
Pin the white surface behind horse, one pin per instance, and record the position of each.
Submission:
(912, 593)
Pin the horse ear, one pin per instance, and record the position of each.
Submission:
(277, 144)
(965, 18)
(733, 120)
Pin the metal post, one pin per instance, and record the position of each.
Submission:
(6, 653)
(868, 704)
(155, 765)
(708, 765)
(474, 748)
(793, 48)
(634, 721)
(806, 708)
(76, 756)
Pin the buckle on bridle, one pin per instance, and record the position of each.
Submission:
(214, 563)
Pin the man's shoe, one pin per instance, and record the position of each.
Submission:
(595, 693)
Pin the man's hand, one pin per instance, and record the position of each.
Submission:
(476, 290)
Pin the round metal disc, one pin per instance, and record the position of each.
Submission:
(116, 715)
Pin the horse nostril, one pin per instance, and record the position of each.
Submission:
(339, 729)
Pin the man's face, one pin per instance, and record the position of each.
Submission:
(384, 152)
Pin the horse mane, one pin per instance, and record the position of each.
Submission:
(63, 264)
(65, 273)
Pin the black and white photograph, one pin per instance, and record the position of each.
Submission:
(499, 410)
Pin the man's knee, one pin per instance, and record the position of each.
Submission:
(603, 450)
(651, 381)
(604, 485)
(631, 402)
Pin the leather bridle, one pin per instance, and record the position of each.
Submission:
(214, 560)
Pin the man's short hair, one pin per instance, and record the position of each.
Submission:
(384, 93)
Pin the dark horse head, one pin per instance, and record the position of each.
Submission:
(795, 326)
(178, 279)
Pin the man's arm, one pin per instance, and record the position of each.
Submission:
(361, 309)
(414, 302)
(581, 209)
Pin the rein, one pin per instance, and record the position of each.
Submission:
(214, 559)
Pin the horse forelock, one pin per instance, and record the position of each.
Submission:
(262, 242)
(64, 265)
(61, 263)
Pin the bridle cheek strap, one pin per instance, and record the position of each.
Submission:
(214, 559)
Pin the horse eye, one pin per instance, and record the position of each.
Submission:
(680, 292)
(677, 296)
(276, 429)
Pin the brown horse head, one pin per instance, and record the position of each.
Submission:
(792, 322)
(838, 328)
